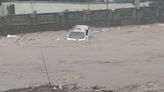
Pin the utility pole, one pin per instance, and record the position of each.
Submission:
(137, 7)
(137, 4)
(88, 5)
(107, 8)
(31, 6)
(87, 12)
(107, 4)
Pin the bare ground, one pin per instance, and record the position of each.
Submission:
(123, 59)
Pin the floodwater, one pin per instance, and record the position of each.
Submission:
(131, 55)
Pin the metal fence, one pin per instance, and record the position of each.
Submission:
(55, 21)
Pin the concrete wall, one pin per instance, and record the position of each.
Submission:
(56, 21)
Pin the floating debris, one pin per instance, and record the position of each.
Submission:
(13, 36)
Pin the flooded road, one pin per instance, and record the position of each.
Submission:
(114, 58)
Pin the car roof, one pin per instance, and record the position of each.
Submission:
(80, 28)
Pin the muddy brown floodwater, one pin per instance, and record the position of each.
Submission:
(124, 59)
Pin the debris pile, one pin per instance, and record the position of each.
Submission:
(152, 86)
(60, 88)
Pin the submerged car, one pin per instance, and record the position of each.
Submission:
(79, 33)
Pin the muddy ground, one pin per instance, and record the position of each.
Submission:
(124, 59)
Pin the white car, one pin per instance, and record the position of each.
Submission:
(79, 33)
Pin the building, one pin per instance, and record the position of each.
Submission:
(22, 7)
(104, 1)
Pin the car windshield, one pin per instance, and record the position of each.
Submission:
(76, 35)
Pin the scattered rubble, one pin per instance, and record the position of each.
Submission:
(60, 88)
